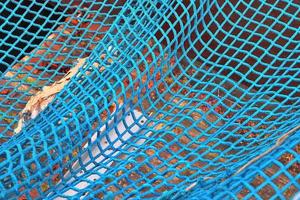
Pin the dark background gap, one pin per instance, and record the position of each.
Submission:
(26, 28)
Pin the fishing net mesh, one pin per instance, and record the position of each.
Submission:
(152, 99)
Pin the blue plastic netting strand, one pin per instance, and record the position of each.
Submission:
(150, 99)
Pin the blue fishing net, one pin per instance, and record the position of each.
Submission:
(150, 99)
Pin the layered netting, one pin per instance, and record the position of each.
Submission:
(157, 99)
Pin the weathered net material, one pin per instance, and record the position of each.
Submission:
(180, 99)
